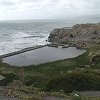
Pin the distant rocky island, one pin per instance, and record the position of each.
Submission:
(78, 33)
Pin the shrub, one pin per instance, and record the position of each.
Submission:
(96, 59)
(75, 81)
(9, 78)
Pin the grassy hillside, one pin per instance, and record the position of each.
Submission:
(39, 76)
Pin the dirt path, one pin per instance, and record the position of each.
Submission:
(90, 93)
(7, 98)
(54, 98)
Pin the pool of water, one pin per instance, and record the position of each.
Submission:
(42, 55)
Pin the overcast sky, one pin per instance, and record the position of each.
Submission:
(47, 9)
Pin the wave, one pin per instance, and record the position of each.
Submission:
(15, 36)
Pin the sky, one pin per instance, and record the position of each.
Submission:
(47, 9)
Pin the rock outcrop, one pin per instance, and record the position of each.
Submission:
(77, 33)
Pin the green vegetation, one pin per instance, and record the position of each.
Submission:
(76, 81)
(8, 79)
(39, 75)
(80, 73)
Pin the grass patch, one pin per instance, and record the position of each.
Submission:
(39, 74)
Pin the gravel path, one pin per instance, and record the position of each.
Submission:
(54, 98)
(90, 93)
(7, 98)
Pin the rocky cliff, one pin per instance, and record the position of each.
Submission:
(79, 32)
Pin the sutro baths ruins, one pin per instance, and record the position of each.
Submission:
(80, 36)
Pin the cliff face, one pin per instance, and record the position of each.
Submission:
(79, 32)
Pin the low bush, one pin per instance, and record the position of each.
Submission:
(96, 59)
(8, 79)
(74, 81)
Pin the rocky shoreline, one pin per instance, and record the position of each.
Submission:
(22, 51)
(79, 34)
(37, 47)
(32, 48)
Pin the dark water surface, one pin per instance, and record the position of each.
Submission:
(43, 55)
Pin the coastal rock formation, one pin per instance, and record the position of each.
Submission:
(79, 32)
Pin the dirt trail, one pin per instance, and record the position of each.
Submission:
(90, 93)
(7, 98)
(53, 98)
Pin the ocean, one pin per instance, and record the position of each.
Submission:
(17, 35)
